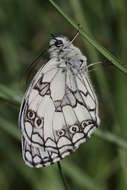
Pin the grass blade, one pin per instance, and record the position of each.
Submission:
(113, 138)
(115, 61)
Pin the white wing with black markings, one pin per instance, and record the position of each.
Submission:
(58, 113)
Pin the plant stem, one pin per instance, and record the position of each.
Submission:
(62, 176)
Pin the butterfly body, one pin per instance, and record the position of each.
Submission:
(60, 109)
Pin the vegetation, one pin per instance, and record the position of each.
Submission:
(100, 163)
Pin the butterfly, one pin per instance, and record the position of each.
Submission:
(60, 109)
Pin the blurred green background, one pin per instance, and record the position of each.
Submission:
(25, 27)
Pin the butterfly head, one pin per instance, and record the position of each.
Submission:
(58, 42)
(61, 47)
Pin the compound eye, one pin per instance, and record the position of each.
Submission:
(30, 114)
(74, 129)
(61, 132)
(58, 43)
(38, 122)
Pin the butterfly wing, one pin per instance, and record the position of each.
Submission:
(37, 157)
(58, 113)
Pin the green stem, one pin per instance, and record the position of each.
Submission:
(62, 176)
